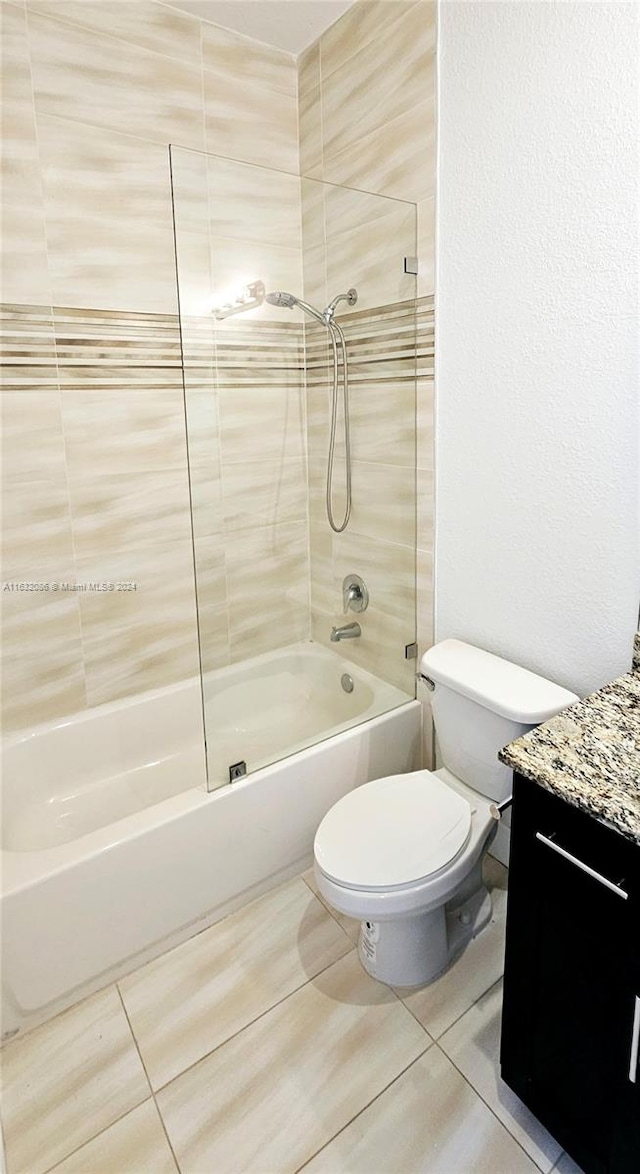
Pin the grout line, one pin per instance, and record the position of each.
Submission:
(479, 1094)
(250, 1022)
(365, 1107)
(153, 1095)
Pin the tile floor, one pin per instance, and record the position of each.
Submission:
(261, 1047)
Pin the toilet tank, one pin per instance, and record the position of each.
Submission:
(479, 703)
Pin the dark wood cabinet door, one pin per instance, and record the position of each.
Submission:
(571, 980)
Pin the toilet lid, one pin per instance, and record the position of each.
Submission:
(392, 832)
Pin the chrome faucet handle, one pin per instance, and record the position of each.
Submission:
(355, 596)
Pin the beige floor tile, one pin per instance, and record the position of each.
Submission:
(270, 1098)
(473, 1044)
(438, 1005)
(191, 1000)
(429, 1121)
(66, 1081)
(349, 924)
(136, 1144)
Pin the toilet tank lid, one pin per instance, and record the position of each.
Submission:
(499, 685)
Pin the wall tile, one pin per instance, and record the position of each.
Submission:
(259, 493)
(396, 159)
(258, 425)
(42, 677)
(308, 64)
(267, 585)
(365, 22)
(253, 203)
(119, 87)
(32, 441)
(138, 640)
(310, 131)
(146, 433)
(353, 101)
(371, 257)
(140, 22)
(129, 511)
(237, 60)
(36, 538)
(247, 120)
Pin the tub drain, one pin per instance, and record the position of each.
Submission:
(347, 683)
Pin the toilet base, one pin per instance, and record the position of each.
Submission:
(413, 951)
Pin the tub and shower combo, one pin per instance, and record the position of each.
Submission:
(131, 826)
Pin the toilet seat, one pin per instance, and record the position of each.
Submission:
(393, 832)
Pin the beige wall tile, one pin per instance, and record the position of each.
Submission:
(36, 539)
(261, 493)
(367, 21)
(218, 982)
(250, 121)
(146, 433)
(308, 64)
(268, 588)
(138, 640)
(128, 511)
(354, 103)
(25, 274)
(396, 159)
(371, 256)
(135, 1142)
(67, 1080)
(220, 1114)
(262, 424)
(237, 60)
(20, 170)
(384, 502)
(32, 441)
(253, 203)
(42, 676)
(140, 22)
(118, 87)
(111, 264)
(103, 176)
(310, 132)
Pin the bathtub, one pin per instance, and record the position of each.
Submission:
(113, 849)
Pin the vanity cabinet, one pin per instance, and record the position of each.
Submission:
(571, 1014)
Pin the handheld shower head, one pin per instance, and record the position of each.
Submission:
(280, 298)
(288, 300)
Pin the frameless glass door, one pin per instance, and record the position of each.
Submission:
(288, 656)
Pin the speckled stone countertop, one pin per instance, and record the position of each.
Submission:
(590, 755)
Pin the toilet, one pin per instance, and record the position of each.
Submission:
(403, 854)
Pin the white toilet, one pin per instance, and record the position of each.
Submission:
(404, 854)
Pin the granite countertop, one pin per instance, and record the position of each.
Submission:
(590, 755)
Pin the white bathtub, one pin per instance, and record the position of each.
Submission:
(113, 850)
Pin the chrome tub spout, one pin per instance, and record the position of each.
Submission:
(346, 632)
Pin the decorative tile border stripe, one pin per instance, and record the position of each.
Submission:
(44, 347)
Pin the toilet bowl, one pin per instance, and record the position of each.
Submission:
(403, 854)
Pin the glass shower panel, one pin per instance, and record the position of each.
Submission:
(261, 256)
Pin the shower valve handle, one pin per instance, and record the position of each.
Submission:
(355, 596)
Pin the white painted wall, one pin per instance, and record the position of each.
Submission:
(537, 553)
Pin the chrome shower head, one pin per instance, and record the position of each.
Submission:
(289, 300)
(280, 298)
